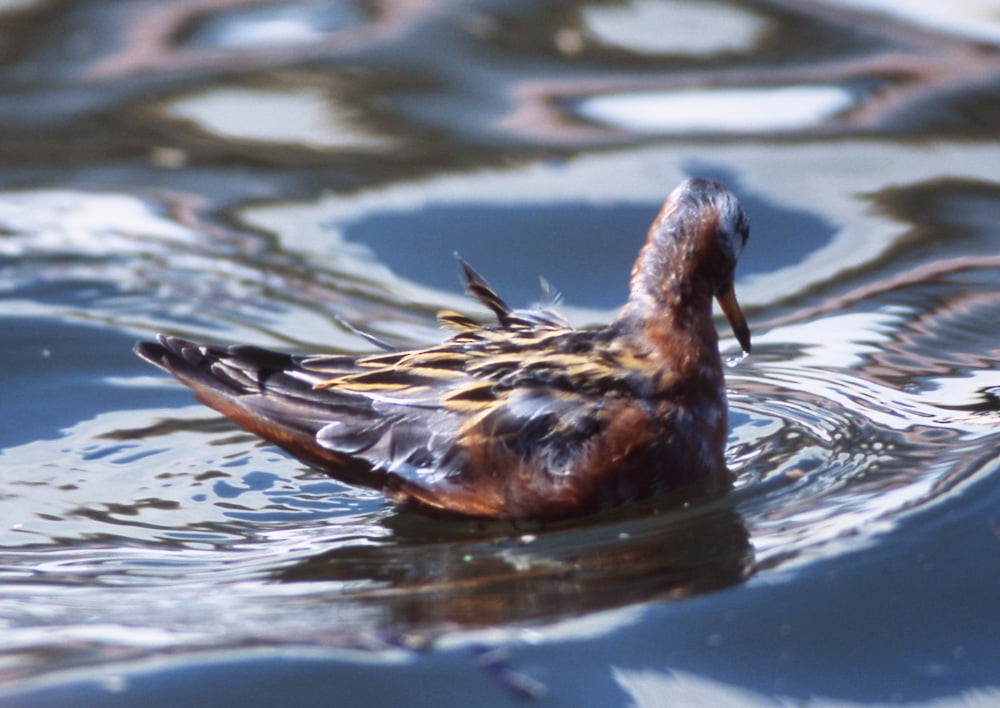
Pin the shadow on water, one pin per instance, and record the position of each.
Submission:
(425, 585)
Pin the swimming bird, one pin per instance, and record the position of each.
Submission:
(527, 417)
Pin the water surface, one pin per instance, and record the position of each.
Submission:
(285, 174)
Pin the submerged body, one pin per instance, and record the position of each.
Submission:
(525, 419)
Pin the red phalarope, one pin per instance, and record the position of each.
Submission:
(526, 418)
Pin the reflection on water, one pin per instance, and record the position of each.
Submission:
(289, 173)
(299, 116)
(414, 583)
(722, 110)
(704, 28)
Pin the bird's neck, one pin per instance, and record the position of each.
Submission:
(673, 324)
(670, 313)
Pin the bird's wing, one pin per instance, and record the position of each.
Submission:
(530, 383)
(540, 397)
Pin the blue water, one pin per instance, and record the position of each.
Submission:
(286, 174)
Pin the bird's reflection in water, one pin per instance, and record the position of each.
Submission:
(422, 580)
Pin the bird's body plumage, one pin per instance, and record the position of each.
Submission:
(526, 418)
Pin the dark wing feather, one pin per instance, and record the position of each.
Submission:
(541, 318)
(477, 287)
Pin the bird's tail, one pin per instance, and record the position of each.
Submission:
(265, 392)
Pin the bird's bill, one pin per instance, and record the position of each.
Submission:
(731, 309)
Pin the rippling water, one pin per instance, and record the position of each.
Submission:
(288, 173)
